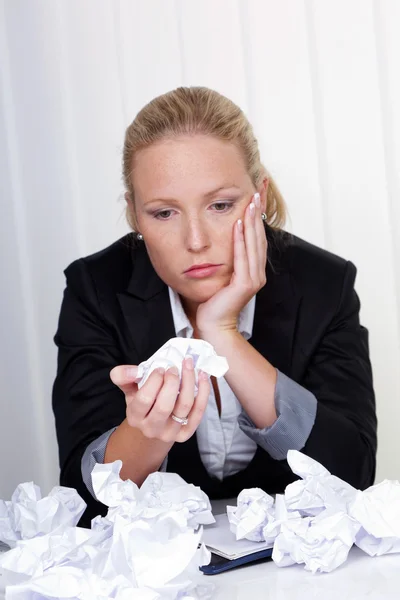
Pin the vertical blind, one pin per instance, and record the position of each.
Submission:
(318, 80)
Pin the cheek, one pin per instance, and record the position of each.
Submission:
(158, 254)
(164, 255)
(223, 235)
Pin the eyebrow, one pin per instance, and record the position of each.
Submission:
(219, 189)
(207, 195)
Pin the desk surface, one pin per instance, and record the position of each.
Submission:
(359, 578)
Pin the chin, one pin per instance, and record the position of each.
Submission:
(201, 291)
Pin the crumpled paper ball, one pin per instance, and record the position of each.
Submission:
(319, 518)
(377, 509)
(279, 514)
(253, 511)
(159, 494)
(322, 543)
(147, 546)
(73, 582)
(28, 515)
(317, 489)
(173, 353)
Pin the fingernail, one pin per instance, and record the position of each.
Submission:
(257, 200)
(203, 375)
(252, 210)
(173, 371)
(131, 372)
(189, 363)
(240, 225)
(160, 370)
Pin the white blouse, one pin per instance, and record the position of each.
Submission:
(224, 448)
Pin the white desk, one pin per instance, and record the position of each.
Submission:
(360, 578)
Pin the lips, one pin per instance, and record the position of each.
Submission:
(203, 266)
(202, 271)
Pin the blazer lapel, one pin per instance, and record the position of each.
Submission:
(146, 307)
(277, 306)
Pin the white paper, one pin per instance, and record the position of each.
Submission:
(319, 518)
(159, 494)
(31, 558)
(170, 491)
(280, 515)
(254, 510)
(110, 489)
(317, 490)
(322, 543)
(377, 509)
(148, 545)
(73, 582)
(220, 540)
(28, 515)
(173, 353)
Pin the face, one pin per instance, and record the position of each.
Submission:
(189, 193)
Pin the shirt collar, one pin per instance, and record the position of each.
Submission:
(184, 329)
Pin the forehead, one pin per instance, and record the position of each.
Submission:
(187, 163)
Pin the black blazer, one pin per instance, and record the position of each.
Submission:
(116, 310)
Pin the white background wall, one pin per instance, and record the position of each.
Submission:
(319, 79)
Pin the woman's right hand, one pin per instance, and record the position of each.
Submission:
(150, 407)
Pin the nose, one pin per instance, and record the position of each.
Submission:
(197, 236)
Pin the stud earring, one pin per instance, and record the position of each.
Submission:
(264, 216)
(139, 237)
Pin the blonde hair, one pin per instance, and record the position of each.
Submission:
(198, 110)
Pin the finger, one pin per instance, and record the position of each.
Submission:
(263, 261)
(144, 398)
(163, 406)
(240, 262)
(251, 243)
(185, 400)
(124, 377)
(260, 237)
(198, 408)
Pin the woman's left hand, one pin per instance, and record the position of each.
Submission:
(221, 311)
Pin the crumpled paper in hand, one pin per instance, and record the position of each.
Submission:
(28, 515)
(173, 353)
(147, 546)
(319, 518)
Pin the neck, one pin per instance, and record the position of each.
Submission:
(190, 307)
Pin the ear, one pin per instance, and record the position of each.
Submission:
(127, 198)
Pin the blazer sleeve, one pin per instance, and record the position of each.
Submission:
(85, 401)
(339, 374)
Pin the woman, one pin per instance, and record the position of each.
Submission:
(208, 258)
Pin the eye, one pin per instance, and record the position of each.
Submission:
(222, 206)
(163, 215)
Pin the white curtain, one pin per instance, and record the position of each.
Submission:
(319, 79)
